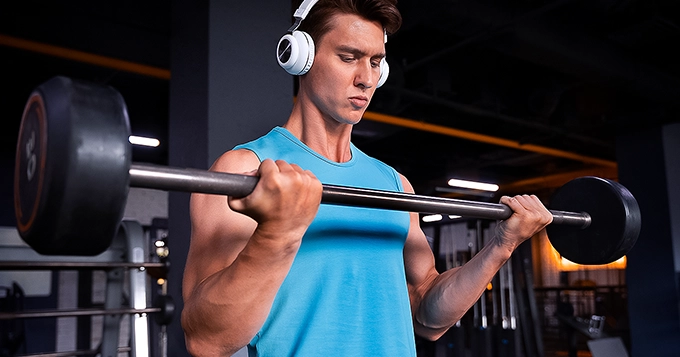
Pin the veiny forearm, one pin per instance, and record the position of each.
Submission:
(453, 292)
(224, 311)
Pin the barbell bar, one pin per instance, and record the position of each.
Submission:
(201, 181)
(73, 170)
(163, 311)
(75, 312)
(43, 265)
(93, 352)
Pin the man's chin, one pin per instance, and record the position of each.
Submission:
(352, 119)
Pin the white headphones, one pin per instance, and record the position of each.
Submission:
(295, 51)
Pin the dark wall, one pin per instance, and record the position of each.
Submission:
(648, 168)
(226, 89)
(119, 30)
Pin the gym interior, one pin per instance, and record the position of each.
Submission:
(526, 95)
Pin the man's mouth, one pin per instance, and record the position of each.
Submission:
(359, 101)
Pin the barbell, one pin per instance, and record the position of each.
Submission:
(73, 170)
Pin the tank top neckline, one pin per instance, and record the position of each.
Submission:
(288, 135)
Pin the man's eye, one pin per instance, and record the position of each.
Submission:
(347, 59)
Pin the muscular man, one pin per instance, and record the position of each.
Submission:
(285, 276)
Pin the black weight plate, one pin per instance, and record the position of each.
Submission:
(167, 313)
(72, 167)
(615, 225)
(31, 155)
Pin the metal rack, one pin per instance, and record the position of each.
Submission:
(128, 254)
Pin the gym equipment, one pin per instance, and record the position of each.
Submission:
(126, 292)
(73, 169)
(24, 265)
(622, 220)
(295, 50)
(165, 312)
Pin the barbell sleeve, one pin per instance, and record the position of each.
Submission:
(235, 185)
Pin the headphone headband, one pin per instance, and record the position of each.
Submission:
(304, 8)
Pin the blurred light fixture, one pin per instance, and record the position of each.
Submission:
(140, 140)
(473, 185)
(568, 265)
(438, 217)
(432, 218)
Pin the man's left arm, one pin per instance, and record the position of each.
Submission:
(439, 300)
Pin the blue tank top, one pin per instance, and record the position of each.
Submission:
(346, 293)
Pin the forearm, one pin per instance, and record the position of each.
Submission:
(225, 310)
(449, 296)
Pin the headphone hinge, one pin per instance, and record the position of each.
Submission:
(296, 24)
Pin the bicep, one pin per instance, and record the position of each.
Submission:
(418, 258)
(218, 234)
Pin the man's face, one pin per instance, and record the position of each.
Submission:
(346, 68)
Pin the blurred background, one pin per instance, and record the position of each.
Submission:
(524, 94)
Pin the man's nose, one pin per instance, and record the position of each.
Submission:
(366, 75)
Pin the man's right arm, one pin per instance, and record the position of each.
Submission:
(241, 251)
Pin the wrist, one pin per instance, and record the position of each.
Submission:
(276, 240)
(503, 247)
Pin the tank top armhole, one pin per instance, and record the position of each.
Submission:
(243, 147)
(397, 178)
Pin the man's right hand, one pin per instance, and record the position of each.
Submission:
(285, 199)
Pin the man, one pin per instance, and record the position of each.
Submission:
(285, 276)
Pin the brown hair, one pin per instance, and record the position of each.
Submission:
(318, 20)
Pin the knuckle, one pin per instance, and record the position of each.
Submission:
(548, 218)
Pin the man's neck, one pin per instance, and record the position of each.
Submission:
(321, 133)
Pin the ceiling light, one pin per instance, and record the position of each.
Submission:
(432, 218)
(140, 140)
(473, 185)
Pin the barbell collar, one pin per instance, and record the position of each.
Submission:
(235, 185)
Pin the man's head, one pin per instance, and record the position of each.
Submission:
(349, 50)
(297, 48)
(318, 21)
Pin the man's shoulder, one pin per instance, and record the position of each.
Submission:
(264, 141)
(373, 160)
(386, 169)
(236, 161)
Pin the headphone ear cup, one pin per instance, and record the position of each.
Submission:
(384, 72)
(295, 52)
